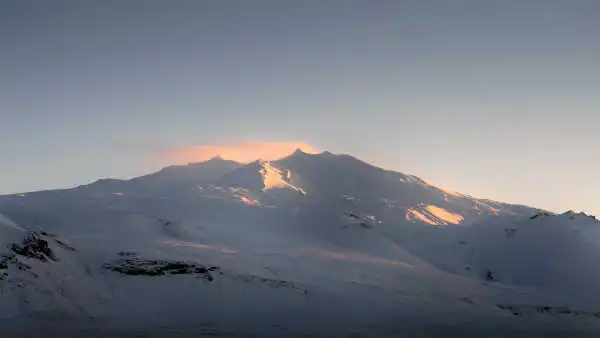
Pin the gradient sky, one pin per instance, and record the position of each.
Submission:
(499, 99)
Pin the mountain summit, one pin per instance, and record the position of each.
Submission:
(324, 178)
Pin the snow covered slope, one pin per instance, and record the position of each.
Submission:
(556, 253)
(319, 243)
(172, 180)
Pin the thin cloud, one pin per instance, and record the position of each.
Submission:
(241, 152)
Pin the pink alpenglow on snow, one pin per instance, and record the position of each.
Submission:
(241, 152)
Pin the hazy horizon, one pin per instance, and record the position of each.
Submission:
(496, 100)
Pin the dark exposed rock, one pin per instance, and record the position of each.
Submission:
(147, 267)
(563, 310)
(489, 276)
(22, 266)
(539, 214)
(3, 267)
(542, 310)
(47, 234)
(64, 245)
(34, 246)
(510, 232)
(273, 283)
(165, 222)
(6, 261)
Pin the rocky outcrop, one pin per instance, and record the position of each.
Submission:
(34, 246)
(137, 266)
(521, 310)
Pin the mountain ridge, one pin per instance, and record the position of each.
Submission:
(323, 176)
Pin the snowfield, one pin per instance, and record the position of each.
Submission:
(316, 245)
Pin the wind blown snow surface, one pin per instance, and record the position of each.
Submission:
(312, 245)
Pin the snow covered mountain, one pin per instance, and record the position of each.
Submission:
(319, 243)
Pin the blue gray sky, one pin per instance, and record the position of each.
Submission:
(499, 99)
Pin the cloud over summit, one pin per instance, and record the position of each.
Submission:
(241, 151)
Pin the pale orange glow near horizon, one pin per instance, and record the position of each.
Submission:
(243, 152)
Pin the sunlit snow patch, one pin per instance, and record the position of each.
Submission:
(433, 215)
(249, 201)
(199, 246)
(244, 196)
(273, 178)
(486, 205)
(445, 215)
(415, 215)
